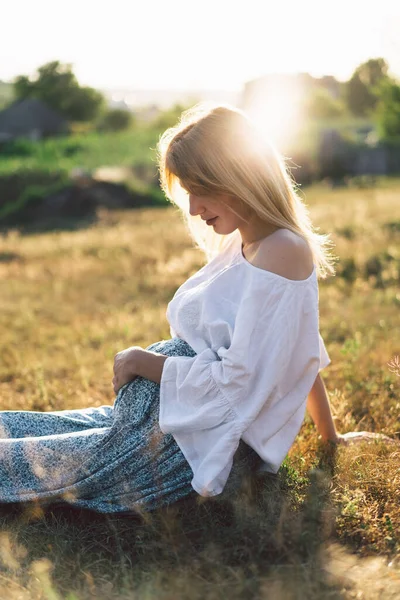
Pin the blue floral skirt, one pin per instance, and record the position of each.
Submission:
(109, 459)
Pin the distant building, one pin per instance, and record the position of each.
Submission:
(118, 103)
(30, 118)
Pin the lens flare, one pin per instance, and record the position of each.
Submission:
(274, 104)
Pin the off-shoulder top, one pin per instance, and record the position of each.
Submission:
(259, 350)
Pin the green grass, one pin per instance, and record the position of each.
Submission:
(87, 151)
(326, 527)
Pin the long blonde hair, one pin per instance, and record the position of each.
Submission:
(218, 150)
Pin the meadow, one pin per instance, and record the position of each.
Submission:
(327, 526)
(86, 149)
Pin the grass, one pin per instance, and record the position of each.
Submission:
(85, 150)
(326, 527)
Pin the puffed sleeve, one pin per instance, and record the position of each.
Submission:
(325, 358)
(208, 401)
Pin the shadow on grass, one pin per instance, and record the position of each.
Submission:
(56, 224)
(267, 538)
(50, 225)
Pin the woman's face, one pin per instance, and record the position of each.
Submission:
(216, 211)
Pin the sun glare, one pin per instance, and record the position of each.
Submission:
(274, 104)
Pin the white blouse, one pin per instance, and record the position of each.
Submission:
(256, 335)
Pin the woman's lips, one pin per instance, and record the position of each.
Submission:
(211, 221)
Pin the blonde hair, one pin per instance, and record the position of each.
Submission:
(218, 150)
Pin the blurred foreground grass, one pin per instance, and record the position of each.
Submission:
(328, 526)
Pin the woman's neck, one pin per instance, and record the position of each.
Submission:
(254, 232)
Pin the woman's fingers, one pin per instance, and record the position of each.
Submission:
(124, 367)
(364, 436)
(117, 383)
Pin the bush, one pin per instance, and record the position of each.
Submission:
(116, 120)
(20, 147)
(168, 118)
(348, 270)
(388, 111)
(27, 202)
(321, 105)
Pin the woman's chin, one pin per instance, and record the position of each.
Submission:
(222, 229)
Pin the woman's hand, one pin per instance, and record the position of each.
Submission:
(126, 366)
(355, 437)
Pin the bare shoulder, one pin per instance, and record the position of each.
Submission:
(286, 254)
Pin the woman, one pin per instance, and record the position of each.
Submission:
(244, 355)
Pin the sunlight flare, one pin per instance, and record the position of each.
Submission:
(275, 105)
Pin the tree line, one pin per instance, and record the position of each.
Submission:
(370, 92)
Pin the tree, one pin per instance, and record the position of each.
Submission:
(388, 110)
(22, 87)
(320, 104)
(56, 85)
(115, 119)
(362, 88)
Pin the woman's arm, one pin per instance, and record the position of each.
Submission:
(320, 412)
(150, 365)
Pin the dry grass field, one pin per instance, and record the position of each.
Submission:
(328, 526)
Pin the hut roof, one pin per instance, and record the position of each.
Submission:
(30, 115)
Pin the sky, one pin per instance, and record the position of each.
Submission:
(211, 44)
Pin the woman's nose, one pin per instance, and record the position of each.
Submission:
(195, 206)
